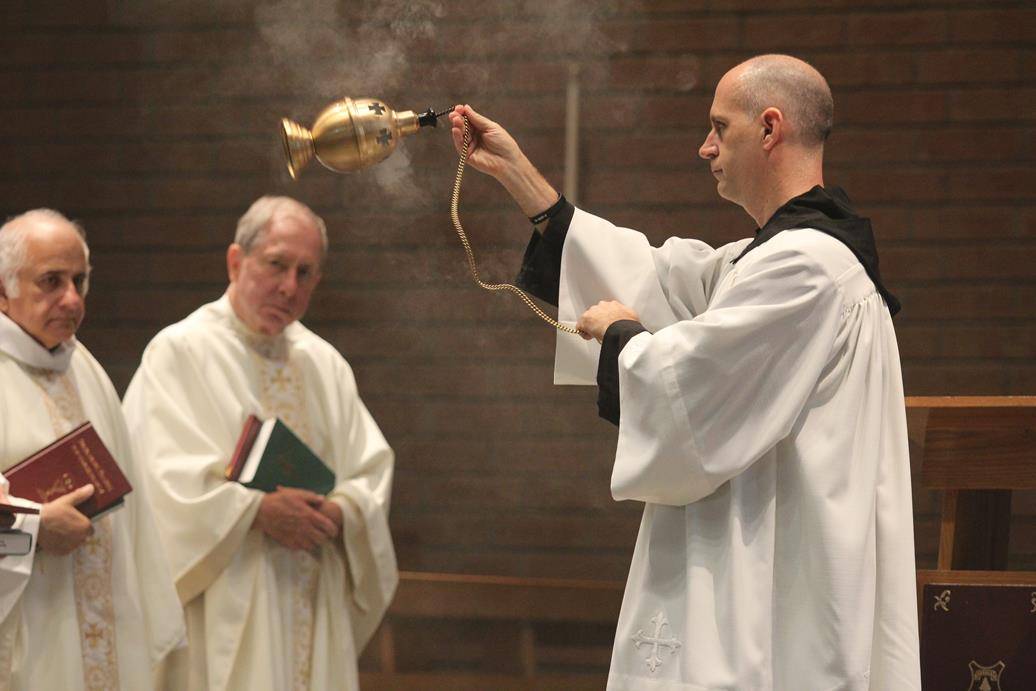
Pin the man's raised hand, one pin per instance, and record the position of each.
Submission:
(495, 152)
(492, 150)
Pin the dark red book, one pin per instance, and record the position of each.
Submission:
(244, 445)
(76, 459)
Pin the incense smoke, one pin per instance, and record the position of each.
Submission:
(393, 48)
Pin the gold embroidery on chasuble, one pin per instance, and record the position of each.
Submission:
(92, 561)
(281, 394)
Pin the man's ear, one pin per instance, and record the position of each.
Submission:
(773, 127)
(235, 253)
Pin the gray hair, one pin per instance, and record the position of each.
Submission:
(792, 85)
(254, 224)
(13, 234)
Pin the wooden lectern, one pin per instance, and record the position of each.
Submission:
(978, 621)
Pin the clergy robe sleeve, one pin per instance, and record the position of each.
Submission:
(363, 495)
(703, 399)
(540, 274)
(161, 610)
(177, 427)
(16, 569)
(662, 285)
(615, 339)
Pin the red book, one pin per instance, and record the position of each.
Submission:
(244, 445)
(76, 459)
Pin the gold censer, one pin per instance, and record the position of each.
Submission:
(355, 133)
(351, 134)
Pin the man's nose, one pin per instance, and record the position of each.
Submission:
(72, 297)
(708, 149)
(290, 282)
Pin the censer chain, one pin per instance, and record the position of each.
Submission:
(454, 202)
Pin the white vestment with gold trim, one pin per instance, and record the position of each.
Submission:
(261, 616)
(103, 616)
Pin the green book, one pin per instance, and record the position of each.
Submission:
(279, 457)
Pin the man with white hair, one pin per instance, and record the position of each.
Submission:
(281, 589)
(95, 608)
(759, 400)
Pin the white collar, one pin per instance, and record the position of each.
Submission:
(22, 347)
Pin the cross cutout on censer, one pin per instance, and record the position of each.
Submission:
(377, 108)
(384, 137)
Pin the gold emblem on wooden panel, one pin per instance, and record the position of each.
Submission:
(985, 678)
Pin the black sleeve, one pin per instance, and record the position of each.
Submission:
(540, 274)
(615, 339)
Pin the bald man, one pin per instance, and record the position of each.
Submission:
(94, 607)
(759, 400)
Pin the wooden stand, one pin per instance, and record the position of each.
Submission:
(978, 621)
(977, 450)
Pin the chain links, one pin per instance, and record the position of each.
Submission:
(454, 202)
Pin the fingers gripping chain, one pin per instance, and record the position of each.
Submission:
(454, 202)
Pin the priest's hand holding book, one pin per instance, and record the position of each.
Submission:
(63, 527)
(296, 518)
(294, 510)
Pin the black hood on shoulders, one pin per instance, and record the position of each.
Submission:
(829, 211)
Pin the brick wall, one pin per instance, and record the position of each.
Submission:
(155, 123)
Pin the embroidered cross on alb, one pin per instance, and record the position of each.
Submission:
(656, 641)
